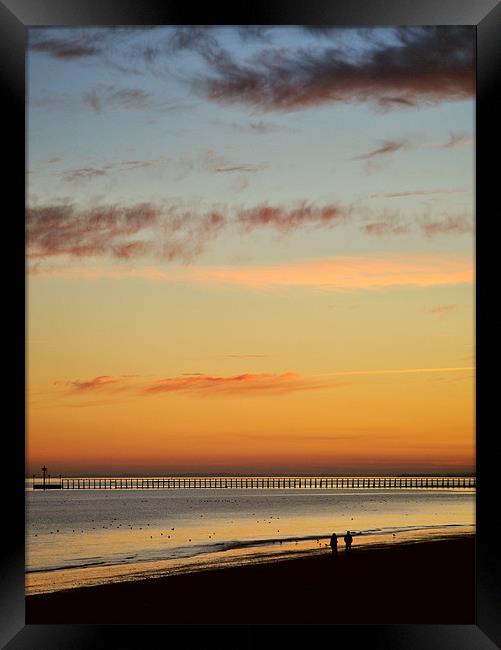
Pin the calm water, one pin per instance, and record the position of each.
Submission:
(83, 537)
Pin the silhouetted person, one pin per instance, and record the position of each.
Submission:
(333, 544)
(348, 540)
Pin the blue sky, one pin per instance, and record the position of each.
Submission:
(109, 115)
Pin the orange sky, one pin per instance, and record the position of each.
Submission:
(226, 379)
(240, 263)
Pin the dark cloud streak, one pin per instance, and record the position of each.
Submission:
(384, 228)
(387, 147)
(63, 49)
(395, 68)
(426, 65)
(172, 233)
(118, 232)
(286, 220)
(240, 168)
(451, 225)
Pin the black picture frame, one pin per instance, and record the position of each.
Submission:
(15, 17)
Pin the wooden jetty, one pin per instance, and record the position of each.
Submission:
(261, 483)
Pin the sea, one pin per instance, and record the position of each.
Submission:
(77, 538)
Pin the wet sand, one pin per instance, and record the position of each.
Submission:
(424, 582)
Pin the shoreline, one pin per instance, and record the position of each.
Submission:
(222, 555)
(430, 581)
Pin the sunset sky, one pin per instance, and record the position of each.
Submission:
(250, 250)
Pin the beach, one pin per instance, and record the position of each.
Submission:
(409, 582)
(83, 538)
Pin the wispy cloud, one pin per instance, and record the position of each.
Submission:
(105, 96)
(340, 273)
(451, 225)
(207, 161)
(102, 381)
(400, 371)
(106, 389)
(418, 192)
(386, 226)
(82, 174)
(457, 140)
(118, 232)
(197, 384)
(81, 47)
(59, 230)
(240, 168)
(245, 384)
(172, 232)
(419, 65)
(408, 67)
(285, 220)
(346, 273)
(258, 127)
(442, 309)
(214, 161)
(162, 232)
(87, 43)
(386, 147)
(110, 96)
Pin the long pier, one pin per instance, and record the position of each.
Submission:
(261, 483)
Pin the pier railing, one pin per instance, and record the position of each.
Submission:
(262, 482)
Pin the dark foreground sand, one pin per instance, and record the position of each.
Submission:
(425, 582)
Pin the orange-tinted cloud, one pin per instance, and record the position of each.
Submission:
(285, 220)
(332, 273)
(244, 384)
(400, 371)
(200, 384)
(347, 272)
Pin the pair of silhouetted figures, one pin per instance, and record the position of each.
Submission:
(348, 539)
